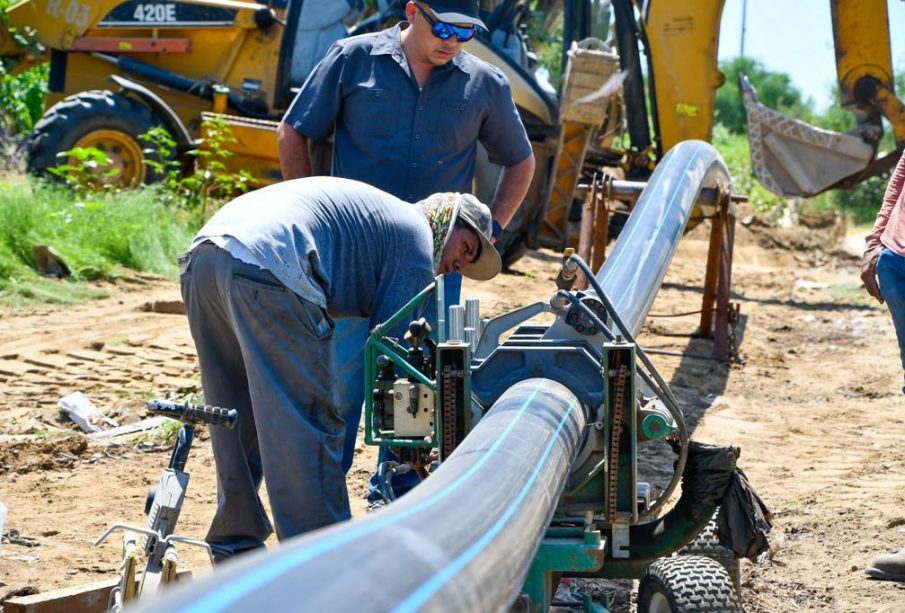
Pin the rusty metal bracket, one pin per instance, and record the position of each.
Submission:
(717, 312)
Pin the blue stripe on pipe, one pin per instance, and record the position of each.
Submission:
(620, 299)
(269, 570)
(424, 593)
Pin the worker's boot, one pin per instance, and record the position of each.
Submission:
(890, 566)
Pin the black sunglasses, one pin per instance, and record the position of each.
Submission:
(445, 31)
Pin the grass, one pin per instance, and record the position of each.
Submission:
(850, 292)
(97, 236)
(21, 293)
(164, 434)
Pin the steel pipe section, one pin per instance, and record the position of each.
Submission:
(633, 272)
(461, 541)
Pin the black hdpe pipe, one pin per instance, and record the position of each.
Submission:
(461, 541)
(634, 270)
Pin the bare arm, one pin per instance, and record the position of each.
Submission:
(511, 189)
(295, 159)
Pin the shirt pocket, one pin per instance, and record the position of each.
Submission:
(372, 112)
(458, 124)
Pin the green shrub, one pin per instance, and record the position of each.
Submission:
(860, 203)
(209, 186)
(83, 170)
(95, 234)
(545, 35)
(21, 94)
(22, 98)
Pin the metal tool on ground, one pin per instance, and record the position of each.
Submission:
(163, 506)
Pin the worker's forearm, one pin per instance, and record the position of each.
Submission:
(511, 189)
(295, 160)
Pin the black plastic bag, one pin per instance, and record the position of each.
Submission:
(711, 477)
(744, 521)
(707, 474)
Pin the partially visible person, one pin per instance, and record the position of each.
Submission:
(883, 273)
(263, 281)
(408, 107)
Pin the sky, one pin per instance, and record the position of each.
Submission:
(796, 37)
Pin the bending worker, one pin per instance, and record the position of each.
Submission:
(262, 283)
(883, 273)
(407, 107)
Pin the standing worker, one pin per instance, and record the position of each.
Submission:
(883, 273)
(408, 107)
(262, 283)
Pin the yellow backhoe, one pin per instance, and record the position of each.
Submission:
(118, 68)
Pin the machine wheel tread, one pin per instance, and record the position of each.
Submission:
(63, 124)
(707, 544)
(687, 584)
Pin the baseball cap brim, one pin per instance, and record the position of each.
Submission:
(488, 265)
(455, 17)
(476, 214)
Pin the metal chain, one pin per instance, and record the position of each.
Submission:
(731, 339)
(615, 435)
(448, 409)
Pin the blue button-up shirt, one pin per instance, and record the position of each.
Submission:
(405, 140)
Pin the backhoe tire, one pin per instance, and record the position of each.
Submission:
(686, 584)
(101, 119)
(707, 544)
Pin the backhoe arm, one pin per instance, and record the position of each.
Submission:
(864, 62)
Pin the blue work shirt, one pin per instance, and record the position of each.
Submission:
(341, 244)
(407, 141)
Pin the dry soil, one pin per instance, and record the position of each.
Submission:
(815, 407)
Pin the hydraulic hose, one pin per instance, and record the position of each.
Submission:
(654, 381)
(197, 87)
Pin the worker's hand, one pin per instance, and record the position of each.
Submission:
(869, 274)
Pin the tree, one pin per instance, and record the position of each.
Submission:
(774, 89)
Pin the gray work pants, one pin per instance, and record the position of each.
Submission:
(269, 354)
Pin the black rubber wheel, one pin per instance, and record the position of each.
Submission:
(707, 544)
(102, 119)
(686, 584)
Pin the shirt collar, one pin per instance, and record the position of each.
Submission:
(389, 43)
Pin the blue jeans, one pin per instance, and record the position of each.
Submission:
(891, 275)
(350, 337)
(269, 354)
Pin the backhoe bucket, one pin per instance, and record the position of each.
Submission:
(792, 158)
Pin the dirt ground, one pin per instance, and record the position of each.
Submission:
(815, 408)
